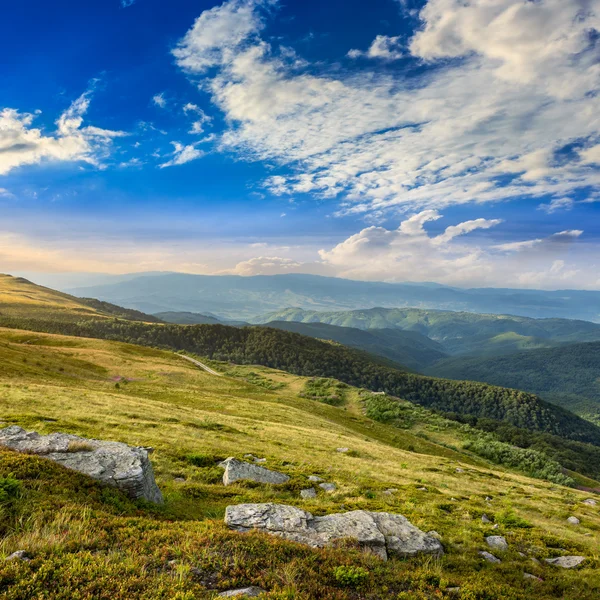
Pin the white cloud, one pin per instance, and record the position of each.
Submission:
(159, 100)
(514, 83)
(557, 204)
(22, 144)
(266, 265)
(591, 155)
(383, 47)
(202, 118)
(182, 154)
(127, 3)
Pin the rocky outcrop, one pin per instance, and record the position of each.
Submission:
(566, 562)
(249, 592)
(497, 542)
(236, 470)
(382, 533)
(114, 463)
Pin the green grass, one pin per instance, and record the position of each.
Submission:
(90, 542)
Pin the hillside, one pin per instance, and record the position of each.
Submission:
(242, 298)
(408, 348)
(568, 375)
(456, 332)
(93, 542)
(20, 298)
(186, 318)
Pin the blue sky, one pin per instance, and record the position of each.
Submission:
(399, 140)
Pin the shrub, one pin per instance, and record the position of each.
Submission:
(349, 576)
(10, 489)
(202, 460)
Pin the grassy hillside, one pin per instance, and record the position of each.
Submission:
(91, 542)
(569, 374)
(457, 332)
(20, 298)
(408, 348)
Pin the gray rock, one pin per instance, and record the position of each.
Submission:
(315, 478)
(114, 463)
(421, 489)
(328, 487)
(308, 493)
(459, 470)
(342, 449)
(381, 533)
(573, 520)
(488, 499)
(590, 502)
(497, 542)
(485, 519)
(566, 562)
(530, 576)
(489, 557)
(237, 470)
(19, 555)
(250, 592)
(496, 526)
(390, 491)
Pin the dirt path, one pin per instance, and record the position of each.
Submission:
(201, 365)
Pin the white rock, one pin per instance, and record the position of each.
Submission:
(125, 467)
(590, 502)
(19, 555)
(422, 489)
(237, 470)
(328, 487)
(573, 520)
(342, 449)
(496, 526)
(497, 542)
(566, 562)
(485, 519)
(489, 557)
(315, 478)
(381, 533)
(250, 592)
(308, 493)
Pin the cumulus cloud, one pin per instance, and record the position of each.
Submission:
(514, 84)
(22, 144)
(383, 47)
(183, 154)
(410, 253)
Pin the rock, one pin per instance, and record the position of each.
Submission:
(488, 499)
(489, 557)
(260, 460)
(530, 576)
(459, 470)
(114, 463)
(315, 478)
(19, 555)
(566, 562)
(237, 470)
(422, 489)
(342, 449)
(435, 534)
(590, 502)
(390, 491)
(179, 479)
(308, 493)
(496, 526)
(382, 533)
(250, 592)
(485, 519)
(573, 520)
(497, 542)
(453, 590)
(328, 487)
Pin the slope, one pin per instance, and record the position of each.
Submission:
(568, 375)
(408, 348)
(20, 298)
(457, 332)
(86, 541)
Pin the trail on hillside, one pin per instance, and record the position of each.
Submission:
(201, 365)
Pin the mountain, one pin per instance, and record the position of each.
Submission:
(242, 298)
(408, 348)
(86, 540)
(187, 318)
(20, 298)
(568, 375)
(456, 332)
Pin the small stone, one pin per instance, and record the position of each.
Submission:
(530, 576)
(459, 470)
(308, 493)
(485, 519)
(390, 491)
(489, 557)
(342, 449)
(573, 520)
(422, 489)
(19, 555)
(453, 590)
(454, 499)
(315, 478)
(566, 562)
(328, 487)
(250, 592)
(488, 499)
(590, 502)
(497, 542)
(496, 526)
(179, 479)
(521, 554)
(259, 461)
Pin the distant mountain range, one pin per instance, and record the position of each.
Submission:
(455, 332)
(242, 298)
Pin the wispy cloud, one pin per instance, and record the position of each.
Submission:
(159, 100)
(514, 84)
(383, 47)
(182, 154)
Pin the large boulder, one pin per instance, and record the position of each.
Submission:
(114, 463)
(236, 470)
(566, 562)
(382, 533)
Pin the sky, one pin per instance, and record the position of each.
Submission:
(455, 141)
